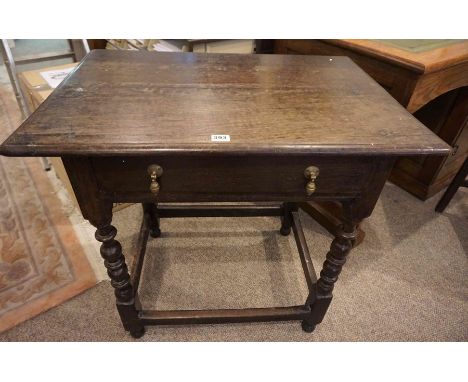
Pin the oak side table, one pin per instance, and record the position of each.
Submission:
(175, 130)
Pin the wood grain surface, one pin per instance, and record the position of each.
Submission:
(141, 103)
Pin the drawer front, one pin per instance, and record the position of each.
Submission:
(236, 178)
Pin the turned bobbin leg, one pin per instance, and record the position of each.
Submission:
(286, 219)
(336, 257)
(99, 213)
(111, 252)
(152, 210)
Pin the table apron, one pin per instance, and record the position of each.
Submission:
(231, 179)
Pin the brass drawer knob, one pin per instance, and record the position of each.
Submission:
(154, 172)
(311, 173)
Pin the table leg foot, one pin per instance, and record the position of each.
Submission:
(155, 232)
(307, 326)
(138, 333)
(285, 231)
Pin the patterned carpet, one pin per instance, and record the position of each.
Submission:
(42, 262)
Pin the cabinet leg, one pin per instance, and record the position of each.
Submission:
(457, 182)
(152, 210)
(111, 252)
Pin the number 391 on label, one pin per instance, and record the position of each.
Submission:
(220, 138)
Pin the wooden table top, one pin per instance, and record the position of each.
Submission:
(143, 103)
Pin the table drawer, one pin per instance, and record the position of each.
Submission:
(236, 178)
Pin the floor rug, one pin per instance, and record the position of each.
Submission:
(42, 263)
